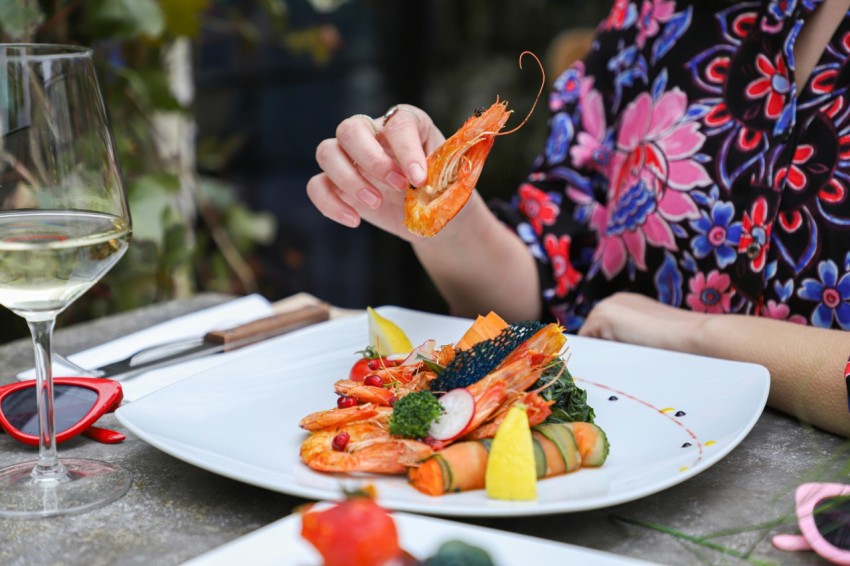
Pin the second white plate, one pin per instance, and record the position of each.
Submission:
(281, 543)
(668, 416)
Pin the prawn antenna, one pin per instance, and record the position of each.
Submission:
(539, 92)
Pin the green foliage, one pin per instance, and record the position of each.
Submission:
(124, 19)
(189, 232)
(413, 414)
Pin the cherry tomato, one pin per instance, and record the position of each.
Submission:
(356, 532)
(365, 366)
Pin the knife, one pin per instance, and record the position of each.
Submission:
(213, 342)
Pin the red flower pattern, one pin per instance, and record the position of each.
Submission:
(755, 234)
(538, 207)
(773, 84)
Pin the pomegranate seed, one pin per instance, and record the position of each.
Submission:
(345, 401)
(392, 400)
(373, 365)
(340, 441)
(373, 380)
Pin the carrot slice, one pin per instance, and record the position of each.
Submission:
(484, 328)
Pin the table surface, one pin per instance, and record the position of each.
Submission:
(175, 511)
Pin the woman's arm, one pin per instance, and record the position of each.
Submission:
(806, 364)
(479, 265)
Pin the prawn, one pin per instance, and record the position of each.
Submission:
(337, 417)
(537, 409)
(396, 384)
(454, 167)
(370, 448)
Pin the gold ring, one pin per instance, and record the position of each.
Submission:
(371, 123)
(394, 109)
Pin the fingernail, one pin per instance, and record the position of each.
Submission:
(349, 219)
(369, 198)
(417, 174)
(396, 181)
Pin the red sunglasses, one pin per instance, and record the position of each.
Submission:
(77, 403)
(823, 514)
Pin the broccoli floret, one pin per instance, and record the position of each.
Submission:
(457, 553)
(413, 414)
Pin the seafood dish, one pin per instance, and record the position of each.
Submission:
(432, 413)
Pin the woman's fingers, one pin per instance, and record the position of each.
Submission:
(345, 173)
(328, 199)
(359, 138)
(406, 130)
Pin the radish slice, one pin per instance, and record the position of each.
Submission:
(423, 351)
(459, 407)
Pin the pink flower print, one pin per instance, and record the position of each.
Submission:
(755, 235)
(651, 13)
(780, 311)
(773, 84)
(794, 173)
(538, 207)
(651, 171)
(589, 150)
(710, 294)
(558, 250)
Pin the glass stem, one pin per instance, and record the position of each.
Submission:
(48, 467)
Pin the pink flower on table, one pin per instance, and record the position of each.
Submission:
(652, 170)
(589, 150)
(774, 84)
(538, 207)
(651, 13)
(780, 311)
(710, 294)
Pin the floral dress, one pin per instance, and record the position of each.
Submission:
(682, 163)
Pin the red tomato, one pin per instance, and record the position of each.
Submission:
(356, 532)
(365, 366)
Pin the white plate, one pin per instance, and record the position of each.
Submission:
(674, 416)
(281, 543)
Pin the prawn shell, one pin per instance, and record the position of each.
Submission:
(426, 214)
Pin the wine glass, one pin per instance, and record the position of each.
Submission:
(64, 223)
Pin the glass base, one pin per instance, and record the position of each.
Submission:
(86, 485)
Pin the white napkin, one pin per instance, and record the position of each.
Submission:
(232, 313)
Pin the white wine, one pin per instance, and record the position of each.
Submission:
(49, 258)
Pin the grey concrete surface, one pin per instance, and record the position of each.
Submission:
(175, 511)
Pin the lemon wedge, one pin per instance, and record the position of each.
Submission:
(385, 335)
(511, 471)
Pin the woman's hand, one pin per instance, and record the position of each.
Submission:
(369, 164)
(638, 319)
(806, 364)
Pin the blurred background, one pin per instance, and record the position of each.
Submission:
(218, 105)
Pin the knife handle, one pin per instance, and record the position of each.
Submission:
(268, 327)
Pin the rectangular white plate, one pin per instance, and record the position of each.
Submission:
(281, 543)
(668, 416)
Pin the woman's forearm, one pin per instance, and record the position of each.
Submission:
(806, 364)
(479, 265)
